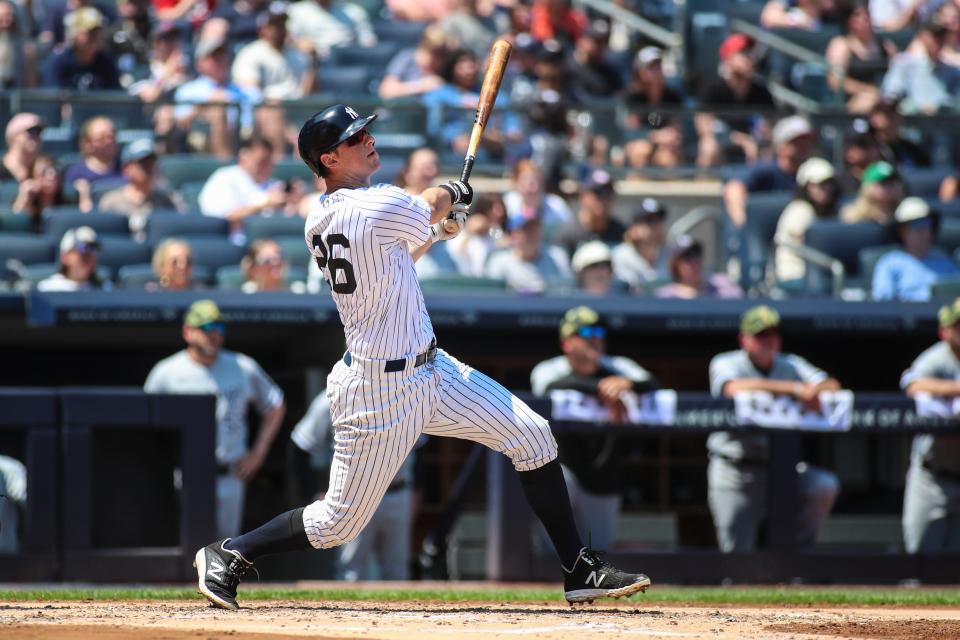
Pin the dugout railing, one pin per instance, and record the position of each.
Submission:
(510, 521)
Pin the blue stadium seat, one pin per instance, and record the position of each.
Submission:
(8, 192)
(23, 249)
(842, 242)
(868, 258)
(190, 192)
(375, 57)
(707, 31)
(925, 181)
(182, 168)
(15, 222)
(295, 251)
(756, 236)
(463, 284)
(213, 253)
(403, 34)
(124, 110)
(257, 227)
(57, 220)
(345, 81)
(291, 169)
(137, 276)
(948, 238)
(185, 225)
(119, 252)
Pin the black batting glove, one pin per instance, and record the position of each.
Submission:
(460, 192)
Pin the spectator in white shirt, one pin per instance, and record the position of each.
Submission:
(279, 71)
(331, 23)
(79, 255)
(246, 188)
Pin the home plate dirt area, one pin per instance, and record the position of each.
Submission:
(275, 620)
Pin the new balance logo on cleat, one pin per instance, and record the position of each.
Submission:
(219, 571)
(583, 581)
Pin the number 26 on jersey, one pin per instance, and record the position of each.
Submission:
(341, 265)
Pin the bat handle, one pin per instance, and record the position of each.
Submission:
(467, 168)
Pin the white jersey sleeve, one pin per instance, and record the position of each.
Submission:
(394, 214)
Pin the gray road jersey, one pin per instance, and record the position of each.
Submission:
(234, 378)
(939, 452)
(736, 365)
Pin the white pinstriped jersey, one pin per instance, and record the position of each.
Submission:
(360, 239)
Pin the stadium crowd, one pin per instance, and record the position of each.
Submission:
(202, 100)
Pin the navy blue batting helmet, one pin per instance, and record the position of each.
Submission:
(325, 130)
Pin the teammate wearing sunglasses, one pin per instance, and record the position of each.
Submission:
(592, 465)
(237, 380)
(393, 383)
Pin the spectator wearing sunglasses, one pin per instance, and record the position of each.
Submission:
(908, 273)
(245, 189)
(266, 269)
(23, 146)
(79, 257)
(173, 266)
(592, 465)
(237, 381)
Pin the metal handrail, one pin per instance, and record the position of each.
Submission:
(633, 21)
(819, 259)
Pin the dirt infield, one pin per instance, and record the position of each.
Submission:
(265, 620)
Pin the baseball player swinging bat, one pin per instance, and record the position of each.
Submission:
(497, 64)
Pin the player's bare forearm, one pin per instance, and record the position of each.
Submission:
(782, 387)
(830, 384)
(935, 387)
(438, 199)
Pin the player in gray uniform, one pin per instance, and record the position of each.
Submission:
(931, 499)
(393, 384)
(737, 473)
(237, 380)
(13, 497)
(386, 539)
(592, 465)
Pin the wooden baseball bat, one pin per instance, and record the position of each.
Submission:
(496, 66)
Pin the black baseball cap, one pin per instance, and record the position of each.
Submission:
(650, 210)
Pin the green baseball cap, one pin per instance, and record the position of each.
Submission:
(758, 320)
(577, 318)
(949, 314)
(201, 312)
(878, 172)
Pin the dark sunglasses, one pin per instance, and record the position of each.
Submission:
(87, 248)
(35, 131)
(358, 138)
(595, 331)
(273, 261)
(209, 327)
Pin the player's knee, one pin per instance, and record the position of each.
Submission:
(328, 527)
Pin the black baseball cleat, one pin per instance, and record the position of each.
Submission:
(592, 578)
(219, 572)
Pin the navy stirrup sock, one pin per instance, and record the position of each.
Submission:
(546, 492)
(283, 533)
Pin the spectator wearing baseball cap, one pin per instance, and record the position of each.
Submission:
(591, 73)
(881, 190)
(737, 472)
(206, 367)
(736, 89)
(690, 280)
(653, 138)
(594, 219)
(139, 197)
(592, 465)
(860, 150)
(817, 195)
(83, 65)
(793, 137)
(79, 257)
(641, 258)
(23, 146)
(930, 515)
(212, 84)
(908, 273)
(593, 267)
(528, 265)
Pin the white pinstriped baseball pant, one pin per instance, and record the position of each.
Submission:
(378, 417)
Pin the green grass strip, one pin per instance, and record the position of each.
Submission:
(847, 596)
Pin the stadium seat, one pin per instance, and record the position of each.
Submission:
(125, 111)
(15, 222)
(925, 181)
(946, 289)
(8, 192)
(214, 253)
(190, 192)
(346, 81)
(292, 168)
(377, 56)
(136, 276)
(842, 242)
(182, 168)
(295, 250)
(119, 252)
(868, 258)
(707, 31)
(185, 225)
(401, 34)
(17, 249)
(462, 284)
(948, 238)
(257, 227)
(763, 213)
(57, 220)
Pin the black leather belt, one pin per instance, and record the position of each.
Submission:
(394, 366)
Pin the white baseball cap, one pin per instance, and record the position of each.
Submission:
(647, 55)
(791, 128)
(911, 209)
(815, 171)
(81, 237)
(589, 254)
